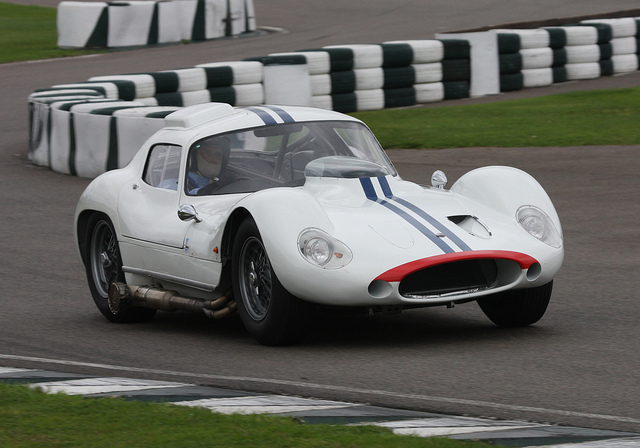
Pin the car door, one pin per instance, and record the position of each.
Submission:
(148, 211)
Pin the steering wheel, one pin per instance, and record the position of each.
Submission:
(295, 146)
(209, 189)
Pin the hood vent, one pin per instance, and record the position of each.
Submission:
(472, 225)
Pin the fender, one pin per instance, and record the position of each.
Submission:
(101, 195)
(281, 214)
(505, 189)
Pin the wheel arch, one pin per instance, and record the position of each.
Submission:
(228, 238)
(280, 216)
(82, 230)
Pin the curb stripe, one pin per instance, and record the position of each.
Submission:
(401, 422)
(321, 387)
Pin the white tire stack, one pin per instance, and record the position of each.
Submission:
(588, 52)
(624, 43)
(534, 58)
(426, 68)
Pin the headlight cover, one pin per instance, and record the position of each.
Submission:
(321, 249)
(538, 224)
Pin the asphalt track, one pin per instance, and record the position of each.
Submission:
(579, 366)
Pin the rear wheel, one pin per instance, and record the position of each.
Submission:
(269, 312)
(517, 308)
(104, 266)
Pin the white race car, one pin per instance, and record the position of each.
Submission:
(279, 211)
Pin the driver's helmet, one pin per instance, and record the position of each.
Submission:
(212, 156)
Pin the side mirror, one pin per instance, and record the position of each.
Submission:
(187, 212)
(438, 179)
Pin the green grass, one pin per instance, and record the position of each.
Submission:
(604, 117)
(29, 418)
(29, 33)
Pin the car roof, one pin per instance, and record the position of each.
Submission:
(214, 118)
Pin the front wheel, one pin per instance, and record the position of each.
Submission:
(517, 308)
(268, 311)
(104, 266)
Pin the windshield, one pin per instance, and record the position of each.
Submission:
(272, 156)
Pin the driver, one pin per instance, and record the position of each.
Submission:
(207, 169)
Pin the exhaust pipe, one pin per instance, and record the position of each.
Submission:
(122, 296)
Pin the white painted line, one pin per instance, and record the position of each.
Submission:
(273, 29)
(450, 431)
(89, 386)
(334, 388)
(267, 404)
(458, 421)
(434, 427)
(632, 442)
(9, 370)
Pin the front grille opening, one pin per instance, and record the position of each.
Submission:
(450, 278)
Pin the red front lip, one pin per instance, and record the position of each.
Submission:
(398, 273)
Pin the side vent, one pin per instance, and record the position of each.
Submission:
(192, 116)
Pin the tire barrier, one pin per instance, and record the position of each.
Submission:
(624, 42)
(120, 24)
(526, 59)
(89, 127)
(237, 83)
(81, 134)
(350, 78)
(585, 50)
(456, 69)
(588, 51)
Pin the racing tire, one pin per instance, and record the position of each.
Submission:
(103, 265)
(517, 308)
(271, 314)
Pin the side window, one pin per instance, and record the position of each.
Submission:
(163, 166)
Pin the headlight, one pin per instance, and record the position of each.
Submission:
(539, 225)
(321, 249)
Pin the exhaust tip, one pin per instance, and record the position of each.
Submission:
(117, 297)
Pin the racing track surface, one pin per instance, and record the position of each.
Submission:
(578, 366)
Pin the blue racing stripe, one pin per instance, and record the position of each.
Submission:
(282, 114)
(418, 225)
(369, 191)
(371, 194)
(386, 189)
(434, 222)
(263, 114)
